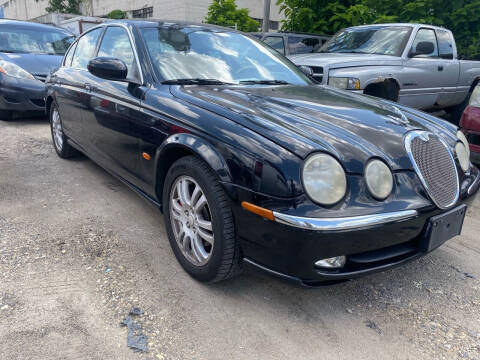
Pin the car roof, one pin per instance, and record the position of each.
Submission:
(30, 24)
(163, 22)
(282, 33)
(413, 25)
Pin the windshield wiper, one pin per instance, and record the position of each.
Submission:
(264, 82)
(195, 81)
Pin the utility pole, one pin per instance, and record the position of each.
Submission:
(266, 16)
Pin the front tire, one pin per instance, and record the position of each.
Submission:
(199, 221)
(60, 143)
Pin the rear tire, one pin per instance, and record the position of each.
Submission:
(60, 140)
(220, 257)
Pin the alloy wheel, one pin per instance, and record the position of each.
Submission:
(57, 130)
(191, 220)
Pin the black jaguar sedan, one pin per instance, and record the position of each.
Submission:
(251, 162)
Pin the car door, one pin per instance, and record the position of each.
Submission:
(72, 95)
(423, 76)
(112, 120)
(451, 69)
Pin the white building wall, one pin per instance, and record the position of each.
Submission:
(186, 10)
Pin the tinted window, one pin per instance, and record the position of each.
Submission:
(302, 45)
(17, 39)
(445, 44)
(276, 42)
(191, 52)
(85, 49)
(426, 35)
(116, 44)
(68, 57)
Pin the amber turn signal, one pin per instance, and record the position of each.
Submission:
(146, 156)
(267, 214)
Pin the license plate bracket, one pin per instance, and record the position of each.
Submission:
(443, 227)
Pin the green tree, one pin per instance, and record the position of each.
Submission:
(329, 16)
(64, 6)
(117, 14)
(226, 13)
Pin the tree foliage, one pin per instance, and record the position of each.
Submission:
(329, 16)
(117, 14)
(64, 6)
(226, 13)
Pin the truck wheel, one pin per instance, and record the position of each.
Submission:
(456, 112)
(387, 90)
(199, 221)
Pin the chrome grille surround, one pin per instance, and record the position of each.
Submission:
(435, 166)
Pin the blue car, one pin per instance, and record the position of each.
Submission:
(28, 52)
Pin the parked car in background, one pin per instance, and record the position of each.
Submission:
(413, 64)
(287, 43)
(251, 162)
(470, 124)
(28, 52)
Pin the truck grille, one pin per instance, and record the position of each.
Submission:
(317, 73)
(435, 166)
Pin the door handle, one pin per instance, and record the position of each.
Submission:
(440, 68)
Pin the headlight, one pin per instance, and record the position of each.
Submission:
(344, 83)
(14, 70)
(324, 179)
(379, 179)
(462, 149)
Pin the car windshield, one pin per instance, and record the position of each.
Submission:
(382, 40)
(14, 39)
(217, 56)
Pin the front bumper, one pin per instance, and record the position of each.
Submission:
(21, 95)
(289, 246)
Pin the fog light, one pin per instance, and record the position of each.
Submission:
(332, 263)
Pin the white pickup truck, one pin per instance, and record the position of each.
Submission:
(415, 65)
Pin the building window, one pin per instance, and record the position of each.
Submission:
(143, 13)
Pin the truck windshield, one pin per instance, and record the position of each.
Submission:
(16, 39)
(199, 55)
(382, 40)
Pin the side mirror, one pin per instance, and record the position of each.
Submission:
(307, 70)
(108, 68)
(423, 48)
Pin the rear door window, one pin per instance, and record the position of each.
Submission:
(303, 45)
(445, 44)
(85, 50)
(276, 42)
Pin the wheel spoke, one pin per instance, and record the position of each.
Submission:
(176, 207)
(182, 189)
(198, 250)
(205, 236)
(200, 203)
(204, 224)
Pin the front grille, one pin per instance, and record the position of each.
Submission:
(434, 166)
(317, 73)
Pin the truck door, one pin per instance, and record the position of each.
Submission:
(423, 75)
(450, 70)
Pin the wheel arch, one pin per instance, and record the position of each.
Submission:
(181, 145)
(374, 87)
(48, 104)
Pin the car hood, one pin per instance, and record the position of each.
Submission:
(35, 64)
(336, 60)
(305, 119)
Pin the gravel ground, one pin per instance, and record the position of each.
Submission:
(78, 250)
